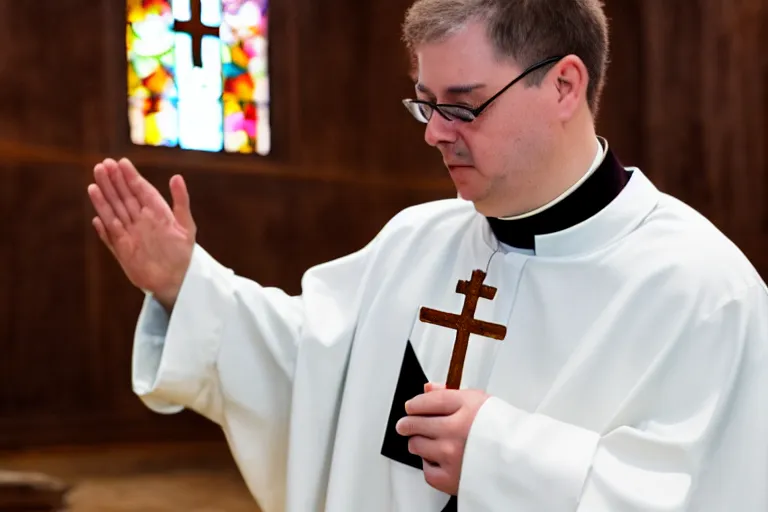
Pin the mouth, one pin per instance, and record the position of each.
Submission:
(458, 167)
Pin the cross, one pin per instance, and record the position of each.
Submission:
(465, 323)
(195, 28)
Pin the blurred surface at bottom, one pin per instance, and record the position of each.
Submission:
(188, 477)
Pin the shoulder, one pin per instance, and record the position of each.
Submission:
(418, 230)
(407, 236)
(434, 219)
(688, 255)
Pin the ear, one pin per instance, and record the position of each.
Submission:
(571, 81)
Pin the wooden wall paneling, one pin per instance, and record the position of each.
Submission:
(114, 77)
(33, 432)
(705, 128)
(96, 114)
(733, 109)
(51, 367)
(50, 68)
(7, 277)
(286, 78)
(393, 140)
(273, 230)
(620, 117)
(7, 126)
(45, 346)
(49, 104)
(66, 361)
(333, 43)
(672, 128)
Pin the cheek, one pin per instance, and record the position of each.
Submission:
(516, 136)
(492, 150)
(523, 115)
(480, 143)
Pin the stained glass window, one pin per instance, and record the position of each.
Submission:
(197, 74)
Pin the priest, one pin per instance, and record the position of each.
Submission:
(562, 337)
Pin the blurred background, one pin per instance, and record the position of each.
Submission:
(299, 155)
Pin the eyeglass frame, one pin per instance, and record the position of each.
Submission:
(475, 112)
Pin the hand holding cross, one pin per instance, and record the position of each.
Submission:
(441, 443)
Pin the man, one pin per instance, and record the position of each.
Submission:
(616, 356)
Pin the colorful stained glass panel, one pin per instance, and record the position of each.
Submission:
(222, 104)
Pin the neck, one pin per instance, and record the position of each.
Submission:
(566, 166)
(598, 188)
(572, 178)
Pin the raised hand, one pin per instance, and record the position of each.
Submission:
(152, 242)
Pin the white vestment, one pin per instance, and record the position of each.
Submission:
(633, 376)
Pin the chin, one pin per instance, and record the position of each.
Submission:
(467, 189)
(466, 194)
(479, 200)
(484, 210)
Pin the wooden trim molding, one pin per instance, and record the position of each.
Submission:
(12, 153)
(39, 431)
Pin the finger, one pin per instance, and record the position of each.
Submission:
(113, 227)
(431, 427)
(181, 208)
(438, 477)
(102, 232)
(129, 199)
(437, 402)
(100, 204)
(103, 179)
(147, 195)
(434, 451)
(432, 386)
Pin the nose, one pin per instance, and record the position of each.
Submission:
(439, 130)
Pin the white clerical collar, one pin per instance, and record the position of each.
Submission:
(621, 216)
(599, 156)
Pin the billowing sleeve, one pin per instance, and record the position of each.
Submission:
(701, 446)
(176, 359)
(229, 339)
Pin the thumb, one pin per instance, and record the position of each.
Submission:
(181, 209)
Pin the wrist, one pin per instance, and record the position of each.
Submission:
(167, 301)
(167, 297)
(168, 294)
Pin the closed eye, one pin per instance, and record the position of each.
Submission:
(452, 91)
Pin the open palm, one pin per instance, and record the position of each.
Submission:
(152, 242)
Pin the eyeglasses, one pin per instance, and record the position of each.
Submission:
(422, 110)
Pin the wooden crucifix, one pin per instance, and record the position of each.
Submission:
(196, 29)
(465, 323)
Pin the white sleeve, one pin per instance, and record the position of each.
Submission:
(520, 461)
(149, 341)
(700, 446)
(175, 360)
(231, 342)
(256, 360)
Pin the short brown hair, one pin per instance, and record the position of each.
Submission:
(524, 30)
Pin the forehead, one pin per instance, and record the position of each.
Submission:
(465, 56)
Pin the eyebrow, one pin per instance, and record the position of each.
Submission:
(452, 89)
